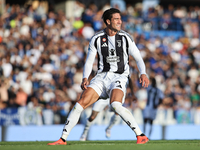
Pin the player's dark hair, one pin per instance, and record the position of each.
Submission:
(108, 14)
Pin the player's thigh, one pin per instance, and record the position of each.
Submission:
(116, 95)
(97, 84)
(88, 97)
(118, 89)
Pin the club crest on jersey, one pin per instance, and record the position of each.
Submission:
(119, 43)
(104, 39)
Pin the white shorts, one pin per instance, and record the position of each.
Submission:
(104, 83)
(100, 104)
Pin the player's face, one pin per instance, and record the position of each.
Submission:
(115, 22)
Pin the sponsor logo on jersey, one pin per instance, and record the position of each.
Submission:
(112, 56)
(112, 52)
(104, 45)
(112, 59)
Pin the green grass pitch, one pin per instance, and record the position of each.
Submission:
(105, 145)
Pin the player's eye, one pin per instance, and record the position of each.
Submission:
(117, 19)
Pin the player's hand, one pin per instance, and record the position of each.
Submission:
(84, 84)
(144, 80)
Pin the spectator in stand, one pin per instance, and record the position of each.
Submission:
(4, 85)
(7, 67)
(21, 98)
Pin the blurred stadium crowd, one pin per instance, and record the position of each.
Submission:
(42, 57)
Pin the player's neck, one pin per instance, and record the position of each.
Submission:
(110, 32)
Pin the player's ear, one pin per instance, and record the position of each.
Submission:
(108, 21)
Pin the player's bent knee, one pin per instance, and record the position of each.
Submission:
(83, 103)
(116, 106)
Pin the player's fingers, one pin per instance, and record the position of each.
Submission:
(143, 83)
(146, 83)
(83, 86)
(140, 80)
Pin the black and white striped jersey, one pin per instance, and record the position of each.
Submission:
(112, 53)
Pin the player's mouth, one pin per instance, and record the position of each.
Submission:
(118, 26)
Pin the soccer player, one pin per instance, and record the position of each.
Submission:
(99, 106)
(112, 46)
(154, 98)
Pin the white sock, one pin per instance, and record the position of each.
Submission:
(72, 120)
(113, 120)
(127, 116)
(87, 126)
